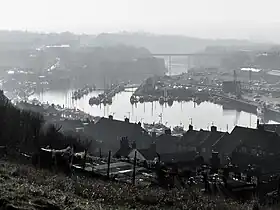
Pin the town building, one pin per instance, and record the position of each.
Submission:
(128, 148)
(167, 143)
(108, 132)
(205, 146)
(200, 141)
(248, 145)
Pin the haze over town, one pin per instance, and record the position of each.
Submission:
(141, 104)
(250, 19)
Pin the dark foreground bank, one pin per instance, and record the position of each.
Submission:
(24, 187)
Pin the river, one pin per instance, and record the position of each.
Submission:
(201, 116)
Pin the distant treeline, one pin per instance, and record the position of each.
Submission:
(84, 65)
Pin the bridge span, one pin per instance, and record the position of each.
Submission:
(189, 57)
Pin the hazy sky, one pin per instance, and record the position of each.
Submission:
(205, 18)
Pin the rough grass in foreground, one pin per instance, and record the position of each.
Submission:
(28, 188)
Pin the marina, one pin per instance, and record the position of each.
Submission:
(83, 91)
(179, 98)
(106, 97)
(201, 116)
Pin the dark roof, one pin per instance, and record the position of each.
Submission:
(167, 143)
(212, 138)
(70, 124)
(167, 137)
(267, 140)
(189, 137)
(109, 131)
(149, 154)
(178, 157)
(123, 152)
(194, 137)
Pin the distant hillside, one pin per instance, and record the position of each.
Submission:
(172, 43)
(89, 57)
(19, 40)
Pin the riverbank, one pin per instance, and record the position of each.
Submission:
(180, 113)
(23, 187)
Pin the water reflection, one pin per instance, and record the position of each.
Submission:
(202, 114)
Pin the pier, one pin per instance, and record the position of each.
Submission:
(78, 94)
(106, 97)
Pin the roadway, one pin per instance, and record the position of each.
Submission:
(126, 87)
(186, 54)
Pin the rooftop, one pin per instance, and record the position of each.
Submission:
(267, 140)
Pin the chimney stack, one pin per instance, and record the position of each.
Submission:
(154, 134)
(167, 132)
(110, 117)
(213, 128)
(190, 127)
(126, 120)
(124, 143)
(133, 145)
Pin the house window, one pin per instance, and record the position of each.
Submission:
(203, 150)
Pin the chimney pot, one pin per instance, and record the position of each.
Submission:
(111, 117)
(126, 120)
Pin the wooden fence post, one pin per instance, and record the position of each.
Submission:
(134, 168)
(85, 159)
(108, 168)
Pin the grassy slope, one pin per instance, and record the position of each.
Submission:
(28, 188)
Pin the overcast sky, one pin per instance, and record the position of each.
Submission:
(204, 18)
